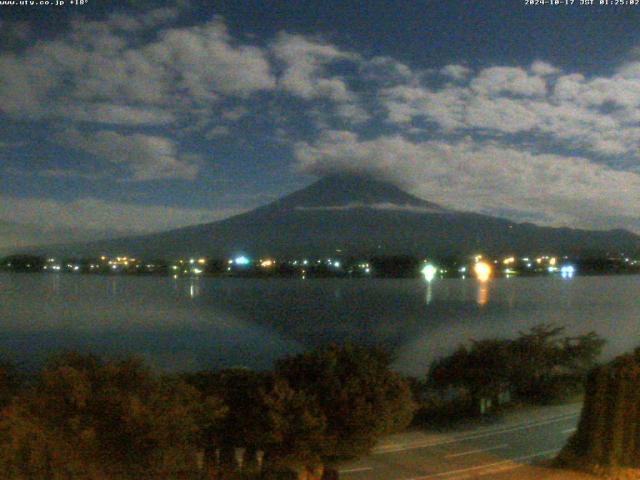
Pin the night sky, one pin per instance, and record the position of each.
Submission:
(128, 117)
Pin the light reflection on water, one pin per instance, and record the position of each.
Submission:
(190, 323)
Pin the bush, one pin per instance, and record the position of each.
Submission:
(361, 398)
(85, 419)
(538, 366)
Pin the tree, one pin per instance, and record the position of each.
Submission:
(532, 365)
(607, 434)
(266, 414)
(361, 398)
(89, 419)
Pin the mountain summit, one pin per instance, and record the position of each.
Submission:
(348, 190)
(358, 216)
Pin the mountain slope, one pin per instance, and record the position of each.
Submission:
(359, 216)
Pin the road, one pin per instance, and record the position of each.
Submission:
(485, 451)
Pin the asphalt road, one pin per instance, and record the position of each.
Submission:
(486, 451)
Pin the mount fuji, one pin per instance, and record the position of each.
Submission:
(357, 215)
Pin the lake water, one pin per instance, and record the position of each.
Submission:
(187, 324)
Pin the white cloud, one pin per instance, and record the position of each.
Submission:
(512, 80)
(96, 215)
(457, 72)
(466, 175)
(352, 113)
(218, 131)
(305, 61)
(445, 107)
(110, 78)
(599, 115)
(146, 157)
(543, 68)
(117, 114)
(376, 206)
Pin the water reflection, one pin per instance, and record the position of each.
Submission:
(429, 293)
(483, 293)
(207, 322)
(194, 287)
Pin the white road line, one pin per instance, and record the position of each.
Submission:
(354, 470)
(477, 450)
(502, 464)
(569, 430)
(498, 431)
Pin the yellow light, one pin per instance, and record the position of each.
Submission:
(202, 261)
(266, 263)
(553, 261)
(508, 260)
(482, 271)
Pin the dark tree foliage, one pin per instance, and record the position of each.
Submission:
(533, 366)
(396, 266)
(10, 381)
(266, 414)
(361, 398)
(608, 435)
(88, 419)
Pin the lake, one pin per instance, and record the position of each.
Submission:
(193, 323)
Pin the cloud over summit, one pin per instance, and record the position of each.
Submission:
(161, 97)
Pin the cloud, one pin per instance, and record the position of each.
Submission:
(445, 107)
(352, 113)
(376, 206)
(543, 68)
(485, 176)
(597, 115)
(90, 214)
(204, 61)
(108, 75)
(305, 74)
(115, 114)
(218, 131)
(456, 72)
(146, 157)
(511, 80)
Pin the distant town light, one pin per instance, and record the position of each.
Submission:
(483, 271)
(567, 271)
(202, 261)
(241, 260)
(267, 263)
(429, 271)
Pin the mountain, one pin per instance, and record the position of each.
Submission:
(358, 216)
(19, 236)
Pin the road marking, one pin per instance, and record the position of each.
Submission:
(569, 430)
(356, 469)
(477, 450)
(393, 448)
(503, 463)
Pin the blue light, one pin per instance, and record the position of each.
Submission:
(241, 260)
(567, 271)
